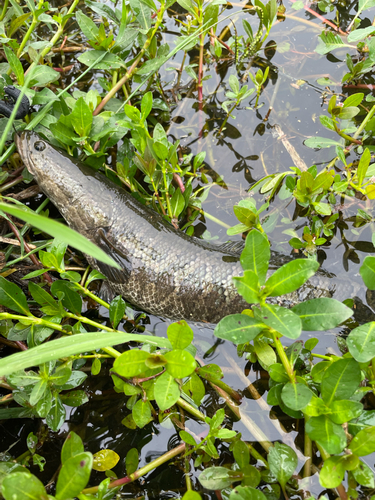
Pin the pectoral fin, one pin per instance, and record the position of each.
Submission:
(103, 240)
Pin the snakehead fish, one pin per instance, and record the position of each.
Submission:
(164, 271)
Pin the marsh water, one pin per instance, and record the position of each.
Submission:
(247, 150)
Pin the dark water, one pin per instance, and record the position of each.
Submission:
(246, 152)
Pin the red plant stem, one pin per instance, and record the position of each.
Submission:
(323, 19)
(143, 470)
(27, 248)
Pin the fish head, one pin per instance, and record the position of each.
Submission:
(79, 193)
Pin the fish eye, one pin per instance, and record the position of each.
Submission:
(39, 146)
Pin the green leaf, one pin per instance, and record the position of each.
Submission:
(326, 433)
(321, 142)
(131, 363)
(38, 391)
(43, 75)
(290, 276)
(332, 473)
(141, 412)
(68, 346)
(81, 118)
(15, 64)
(71, 300)
(22, 486)
(72, 446)
(12, 296)
(343, 411)
(109, 61)
(361, 342)
(216, 478)
(282, 320)
(363, 443)
(116, 310)
(246, 493)
(278, 373)
(180, 334)
(88, 27)
(364, 475)
(180, 363)
(241, 453)
(296, 396)
(58, 230)
(167, 391)
(266, 355)
(248, 286)
(177, 201)
(360, 34)
(74, 476)
(364, 162)
(105, 460)
(321, 314)
(238, 328)
(56, 415)
(367, 271)
(366, 419)
(131, 461)
(74, 398)
(194, 388)
(282, 461)
(340, 380)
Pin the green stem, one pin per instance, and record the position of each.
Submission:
(143, 470)
(32, 27)
(227, 117)
(190, 409)
(4, 10)
(133, 68)
(364, 123)
(283, 357)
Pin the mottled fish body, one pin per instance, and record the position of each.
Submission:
(164, 271)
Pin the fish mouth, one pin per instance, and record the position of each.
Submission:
(24, 142)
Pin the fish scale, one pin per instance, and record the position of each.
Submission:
(164, 271)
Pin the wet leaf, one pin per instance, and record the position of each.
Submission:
(328, 434)
(290, 276)
(141, 412)
(343, 411)
(131, 461)
(180, 363)
(130, 363)
(21, 485)
(332, 473)
(364, 475)
(266, 355)
(256, 255)
(105, 460)
(116, 310)
(74, 398)
(72, 446)
(282, 461)
(296, 396)
(180, 334)
(363, 443)
(74, 476)
(361, 342)
(340, 380)
(56, 415)
(367, 271)
(216, 478)
(246, 493)
(167, 391)
(241, 453)
(282, 320)
(238, 328)
(248, 286)
(321, 314)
